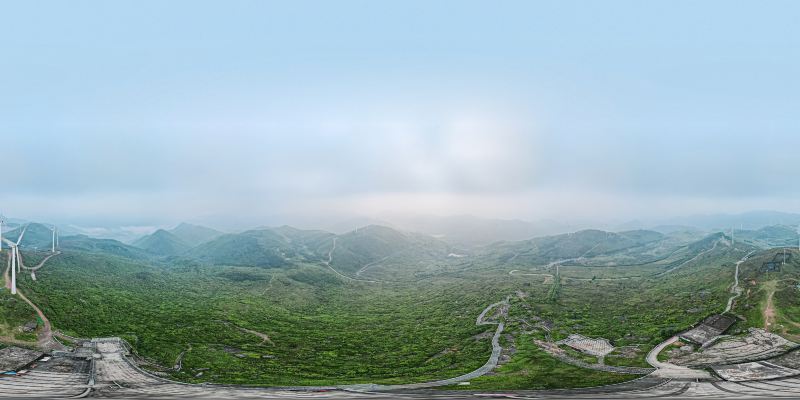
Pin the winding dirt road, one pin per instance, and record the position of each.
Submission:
(736, 290)
(672, 371)
(45, 339)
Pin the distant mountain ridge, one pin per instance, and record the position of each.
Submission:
(37, 235)
(470, 231)
(282, 246)
(194, 235)
(162, 243)
(266, 247)
(751, 220)
(176, 241)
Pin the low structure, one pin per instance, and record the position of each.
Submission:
(30, 326)
(707, 330)
(14, 358)
(757, 345)
(754, 371)
(595, 347)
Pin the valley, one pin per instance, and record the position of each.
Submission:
(308, 312)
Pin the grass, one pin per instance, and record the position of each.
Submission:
(758, 285)
(615, 358)
(419, 327)
(532, 368)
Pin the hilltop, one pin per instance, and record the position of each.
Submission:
(193, 235)
(162, 243)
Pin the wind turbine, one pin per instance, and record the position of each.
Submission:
(13, 269)
(15, 261)
(2, 221)
(53, 248)
(16, 248)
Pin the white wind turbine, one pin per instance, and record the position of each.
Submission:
(13, 269)
(53, 249)
(15, 261)
(16, 248)
(2, 221)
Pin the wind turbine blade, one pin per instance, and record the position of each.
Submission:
(24, 229)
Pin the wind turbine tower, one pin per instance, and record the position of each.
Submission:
(53, 248)
(2, 221)
(13, 269)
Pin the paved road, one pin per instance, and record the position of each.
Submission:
(672, 371)
(114, 367)
(117, 377)
(41, 264)
(736, 290)
(328, 264)
(667, 370)
(490, 364)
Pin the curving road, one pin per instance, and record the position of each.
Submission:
(490, 364)
(736, 290)
(672, 371)
(45, 339)
(328, 264)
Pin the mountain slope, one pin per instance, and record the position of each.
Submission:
(586, 243)
(373, 243)
(162, 243)
(269, 248)
(36, 236)
(769, 236)
(194, 235)
(285, 246)
(467, 230)
(88, 244)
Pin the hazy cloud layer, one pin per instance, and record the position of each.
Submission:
(246, 112)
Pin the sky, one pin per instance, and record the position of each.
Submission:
(255, 112)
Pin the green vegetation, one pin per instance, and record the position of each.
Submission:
(262, 307)
(532, 368)
(630, 358)
(776, 290)
(162, 243)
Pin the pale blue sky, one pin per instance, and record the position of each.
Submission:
(145, 112)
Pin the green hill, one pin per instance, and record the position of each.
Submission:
(584, 243)
(83, 243)
(37, 236)
(162, 243)
(769, 236)
(259, 248)
(193, 235)
(285, 245)
(373, 243)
